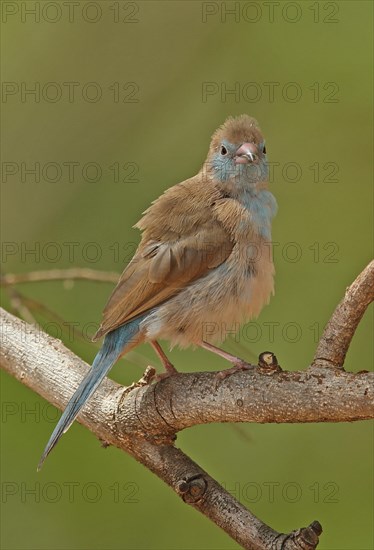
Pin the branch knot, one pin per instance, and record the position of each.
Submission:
(192, 489)
(306, 538)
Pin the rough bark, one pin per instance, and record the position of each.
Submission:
(143, 419)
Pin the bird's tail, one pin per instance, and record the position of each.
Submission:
(115, 343)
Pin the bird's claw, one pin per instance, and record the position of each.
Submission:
(170, 370)
(238, 366)
(161, 376)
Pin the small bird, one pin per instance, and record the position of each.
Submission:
(203, 266)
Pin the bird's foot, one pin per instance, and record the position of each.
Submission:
(238, 365)
(161, 376)
(170, 370)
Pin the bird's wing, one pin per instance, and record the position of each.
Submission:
(160, 269)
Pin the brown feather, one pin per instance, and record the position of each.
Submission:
(187, 232)
(181, 242)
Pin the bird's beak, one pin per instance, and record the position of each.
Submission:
(246, 154)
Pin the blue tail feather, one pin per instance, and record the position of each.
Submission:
(113, 346)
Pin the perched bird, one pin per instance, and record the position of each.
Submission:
(203, 266)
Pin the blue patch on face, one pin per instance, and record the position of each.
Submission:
(243, 175)
(260, 204)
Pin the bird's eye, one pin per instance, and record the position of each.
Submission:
(264, 150)
(223, 150)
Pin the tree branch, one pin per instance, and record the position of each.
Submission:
(339, 331)
(60, 275)
(44, 364)
(143, 419)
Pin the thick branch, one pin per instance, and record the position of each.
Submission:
(46, 366)
(142, 420)
(339, 331)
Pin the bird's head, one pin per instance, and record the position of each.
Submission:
(237, 155)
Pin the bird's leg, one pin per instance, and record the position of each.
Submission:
(169, 368)
(238, 363)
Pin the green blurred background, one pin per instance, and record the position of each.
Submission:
(151, 62)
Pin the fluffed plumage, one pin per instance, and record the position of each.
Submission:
(204, 264)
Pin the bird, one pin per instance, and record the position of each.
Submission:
(203, 266)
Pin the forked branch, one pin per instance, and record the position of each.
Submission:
(143, 419)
